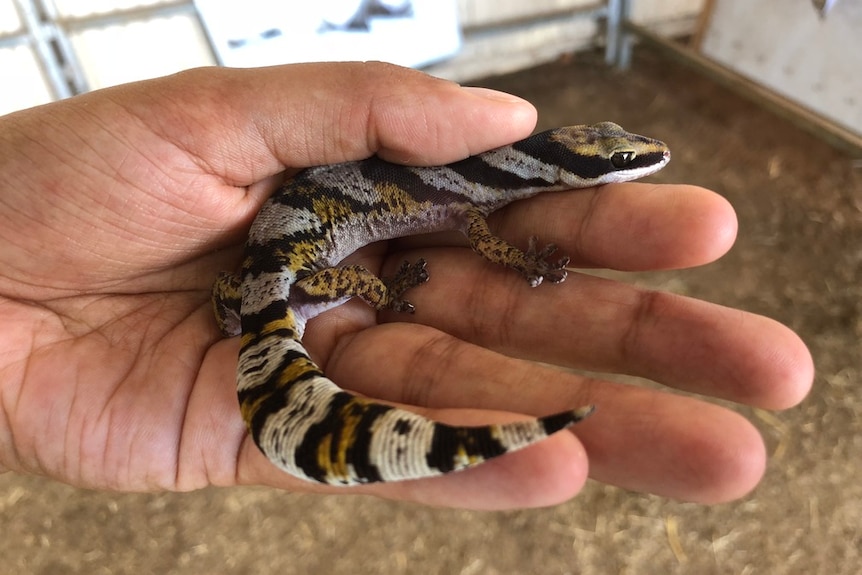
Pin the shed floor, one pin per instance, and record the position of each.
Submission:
(798, 259)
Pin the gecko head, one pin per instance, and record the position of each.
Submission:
(604, 153)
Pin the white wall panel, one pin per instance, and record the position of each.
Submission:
(79, 8)
(498, 52)
(116, 54)
(484, 12)
(23, 84)
(814, 61)
(9, 21)
(667, 17)
(514, 47)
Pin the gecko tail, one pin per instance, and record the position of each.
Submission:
(455, 448)
(312, 429)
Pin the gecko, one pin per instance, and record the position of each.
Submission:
(301, 420)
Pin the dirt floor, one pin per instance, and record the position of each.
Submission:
(798, 259)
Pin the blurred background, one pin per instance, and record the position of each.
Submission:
(52, 49)
(760, 101)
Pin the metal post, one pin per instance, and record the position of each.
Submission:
(612, 34)
(624, 50)
(41, 38)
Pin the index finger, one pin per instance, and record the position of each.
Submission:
(632, 226)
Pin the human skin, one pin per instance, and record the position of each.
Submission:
(119, 207)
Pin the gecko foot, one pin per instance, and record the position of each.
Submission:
(408, 276)
(538, 269)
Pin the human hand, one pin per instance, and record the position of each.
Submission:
(119, 207)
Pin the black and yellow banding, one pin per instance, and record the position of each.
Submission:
(301, 420)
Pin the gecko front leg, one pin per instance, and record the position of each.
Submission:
(332, 284)
(532, 264)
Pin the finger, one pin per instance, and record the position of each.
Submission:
(631, 226)
(680, 447)
(310, 114)
(641, 439)
(602, 325)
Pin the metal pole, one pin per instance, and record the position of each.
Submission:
(614, 29)
(42, 38)
(624, 51)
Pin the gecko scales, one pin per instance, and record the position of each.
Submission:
(304, 422)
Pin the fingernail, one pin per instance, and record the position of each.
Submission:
(495, 95)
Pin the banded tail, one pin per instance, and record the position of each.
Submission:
(309, 427)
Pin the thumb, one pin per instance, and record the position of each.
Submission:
(248, 124)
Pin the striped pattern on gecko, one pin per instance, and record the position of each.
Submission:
(304, 422)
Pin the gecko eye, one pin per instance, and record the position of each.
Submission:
(622, 159)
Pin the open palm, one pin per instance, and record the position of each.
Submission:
(118, 209)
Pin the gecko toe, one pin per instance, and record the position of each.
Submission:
(408, 276)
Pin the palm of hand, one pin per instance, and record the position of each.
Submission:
(108, 323)
(116, 372)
